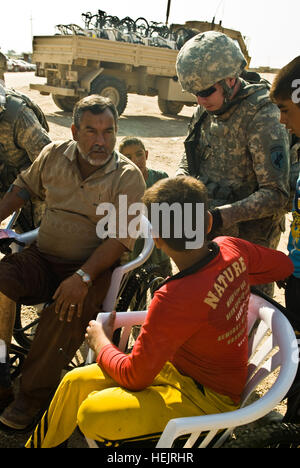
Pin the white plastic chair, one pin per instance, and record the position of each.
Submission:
(273, 334)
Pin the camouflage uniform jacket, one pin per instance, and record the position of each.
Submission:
(3, 66)
(242, 156)
(21, 141)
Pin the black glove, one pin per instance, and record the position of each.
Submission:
(217, 223)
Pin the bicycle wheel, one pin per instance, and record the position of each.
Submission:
(277, 435)
(141, 26)
(126, 25)
(111, 21)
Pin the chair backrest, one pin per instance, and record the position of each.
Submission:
(272, 344)
(25, 238)
(120, 273)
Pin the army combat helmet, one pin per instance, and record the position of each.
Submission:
(206, 59)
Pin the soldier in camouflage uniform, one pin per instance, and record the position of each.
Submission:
(3, 66)
(236, 145)
(23, 134)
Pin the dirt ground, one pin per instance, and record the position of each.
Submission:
(163, 137)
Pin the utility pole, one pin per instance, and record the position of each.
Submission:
(168, 11)
(31, 28)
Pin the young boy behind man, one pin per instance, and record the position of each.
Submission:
(134, 149)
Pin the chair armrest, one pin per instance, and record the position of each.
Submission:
(28, 237)
(125, 320)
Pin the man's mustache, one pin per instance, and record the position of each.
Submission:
(97, 149)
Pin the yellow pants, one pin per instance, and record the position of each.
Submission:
(106, 412)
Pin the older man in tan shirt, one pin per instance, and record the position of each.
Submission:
(69, 262)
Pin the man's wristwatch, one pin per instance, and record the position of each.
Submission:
(85, 277)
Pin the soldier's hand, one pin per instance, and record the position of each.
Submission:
(217, 223)
(282, 283)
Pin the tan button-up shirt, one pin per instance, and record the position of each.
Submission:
(68, 228)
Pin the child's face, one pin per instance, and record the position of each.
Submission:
(289, 115)
(137, 155)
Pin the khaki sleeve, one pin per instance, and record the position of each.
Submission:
(31, 178)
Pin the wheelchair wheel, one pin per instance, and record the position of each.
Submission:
(25, 325)
(137, 295)
(277, 435)
(140, 289)
(17, 357)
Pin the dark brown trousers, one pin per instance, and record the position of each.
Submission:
(30, 277)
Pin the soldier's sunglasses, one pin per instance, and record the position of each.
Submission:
(206, 92)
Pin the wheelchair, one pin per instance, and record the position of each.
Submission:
(132, 287)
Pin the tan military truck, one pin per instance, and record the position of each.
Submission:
(76, 66)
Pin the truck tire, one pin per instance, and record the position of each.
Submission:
(65, 103)
(111, 87)
(169, 107)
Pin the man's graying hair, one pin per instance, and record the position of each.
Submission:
(96, 104)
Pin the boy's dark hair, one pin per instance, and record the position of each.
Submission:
(179, 190)
(282, 87)
(129, 141)
(96, 104)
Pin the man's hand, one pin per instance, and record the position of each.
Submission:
(98, 335)
(69, 297)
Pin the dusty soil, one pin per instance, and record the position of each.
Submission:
(163, 137)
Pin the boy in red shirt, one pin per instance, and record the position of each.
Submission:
(191, 355)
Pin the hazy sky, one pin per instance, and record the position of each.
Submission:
(271, 26)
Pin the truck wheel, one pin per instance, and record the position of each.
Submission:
(65, 103)
(169, 107)
(111, 87)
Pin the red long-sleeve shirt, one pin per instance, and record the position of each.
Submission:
(198, 320)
